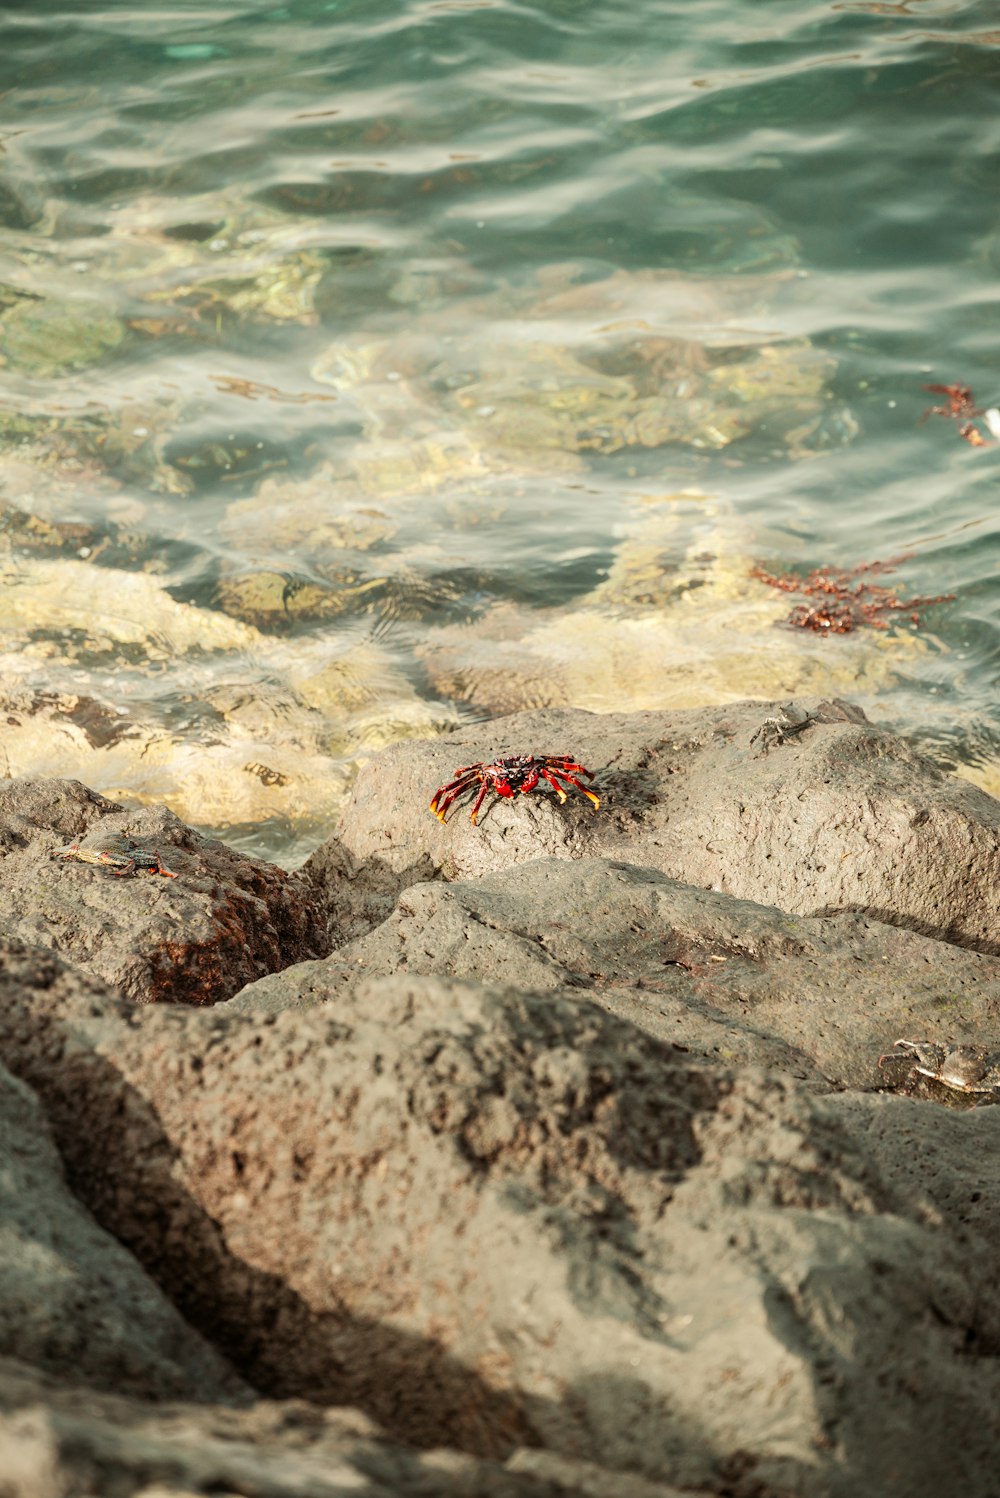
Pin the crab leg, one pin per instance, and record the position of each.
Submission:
(70, 851)
(448, 794)
(550, 776)
(463, 778)
(899, 1055)
(479, 801)
(565, 775)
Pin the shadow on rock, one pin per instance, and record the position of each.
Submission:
(358, 894)
(264, 1328)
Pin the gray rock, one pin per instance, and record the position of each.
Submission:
(356, 894)
(73, 1301)
(818, 997)
(72, 1443)
(840, 817)
(225, 920)
(497, 1219)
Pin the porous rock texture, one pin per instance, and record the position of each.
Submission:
(70, 1294)
(573, 1166)
(59, 1442)
(498, 1220)
(841, 816)
(195, 939)
(819, 997)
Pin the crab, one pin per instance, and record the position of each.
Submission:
(121, 853)
(963, 1068)
(506, 776)
(778, 730)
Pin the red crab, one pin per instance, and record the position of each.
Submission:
(504, 777)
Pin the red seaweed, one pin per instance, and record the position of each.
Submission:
(846, 600)
(962, 408)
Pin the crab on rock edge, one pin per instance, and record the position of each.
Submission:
(963, 1068)
(506, 776)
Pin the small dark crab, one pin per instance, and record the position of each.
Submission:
(963, 1068)
(120, 853)
(779, 730)
(505, 777)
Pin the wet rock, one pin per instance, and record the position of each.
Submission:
(244, 756)
(497, 1219)
(820, 998)
(111, 612)
(678, 621)
(273, 739)
(714, 641)
(71, 1297)
(224, 920)
(841, 816)
(70, 1443)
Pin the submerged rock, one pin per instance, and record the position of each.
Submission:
(52, 337)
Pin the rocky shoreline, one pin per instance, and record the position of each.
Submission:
(544, 1156)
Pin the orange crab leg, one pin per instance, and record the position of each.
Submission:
(565, 775)
(448, 794)
(562, 763)
(550, 776)
(479, 801)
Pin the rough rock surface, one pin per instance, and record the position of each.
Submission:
(819, 997)
(568, 1166)
(485, 1217)
(195, 939)
(71, 1297)
(58, 1442)
(842, 816)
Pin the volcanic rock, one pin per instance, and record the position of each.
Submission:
(59, 1442)
(840, 816)
(225, 920)
(819, 997)
(71, 1297)
(496, 1219)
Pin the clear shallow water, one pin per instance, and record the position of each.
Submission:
(370, 368)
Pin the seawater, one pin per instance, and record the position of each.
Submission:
(371, 368)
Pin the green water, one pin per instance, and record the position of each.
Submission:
(369, 369)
